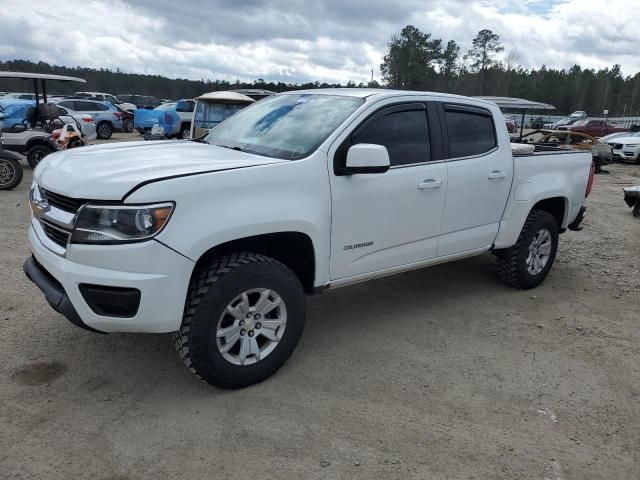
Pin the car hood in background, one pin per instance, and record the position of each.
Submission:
(625, 140)
(109, 172)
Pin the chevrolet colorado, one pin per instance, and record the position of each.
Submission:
(219, 240)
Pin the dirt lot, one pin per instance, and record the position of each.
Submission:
(439, 373)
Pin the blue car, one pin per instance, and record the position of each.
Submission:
(173, 117)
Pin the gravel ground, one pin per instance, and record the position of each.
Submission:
(438, 373)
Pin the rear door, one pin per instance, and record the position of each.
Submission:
(479, 179)
(391, 219)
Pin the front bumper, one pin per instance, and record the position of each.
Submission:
(53, 292)
(160, 274)
(625, 155)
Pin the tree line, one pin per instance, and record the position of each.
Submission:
(414, 60)
(417, 61)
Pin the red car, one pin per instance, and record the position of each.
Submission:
(595, 128)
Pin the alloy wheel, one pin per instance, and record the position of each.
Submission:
(539, 251)
(251, 326)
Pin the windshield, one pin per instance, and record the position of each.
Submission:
(284, 126)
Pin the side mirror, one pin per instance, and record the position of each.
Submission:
(367, 158)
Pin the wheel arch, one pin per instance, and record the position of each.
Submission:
(293, 249)
(32, 142)
(558, 207)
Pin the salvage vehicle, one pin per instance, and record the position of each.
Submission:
(593, 127)
(626, 148)
(213, 108)
(600, 151)
(140, 101)
(512, 125)
(106, 97)
(219, 239)
(174, 117)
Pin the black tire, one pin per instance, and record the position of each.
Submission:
(636, 209)
(512, 262)
(127, 125)
(185, 130)
(36, 153)
(598, 164)
(212, 288)
(104, 130)
(10, 173)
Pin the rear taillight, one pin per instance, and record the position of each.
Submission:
(87, 119)
(117, 114)
(592, 176)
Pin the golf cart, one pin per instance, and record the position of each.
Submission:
(32, 135)
(10, 167)
(214, 107)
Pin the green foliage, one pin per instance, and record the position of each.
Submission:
(411, 59)
(484, 47)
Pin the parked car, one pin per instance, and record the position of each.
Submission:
(564, 139)
(512, 125)
(140, 101)
(593, 127)
(559, 123)
(19, 96)
(107, 97)
(626, 148)
(300, 192)
(579, 114)
(106, 117)
(611, 136)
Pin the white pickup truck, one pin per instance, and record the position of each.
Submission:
(220, 240)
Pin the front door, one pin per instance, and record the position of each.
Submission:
(391, 219)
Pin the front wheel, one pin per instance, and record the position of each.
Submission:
(10, 173)
(243, 318)
(527, 263)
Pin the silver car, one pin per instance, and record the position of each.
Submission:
(106, 117)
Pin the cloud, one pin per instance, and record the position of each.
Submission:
(298, 40)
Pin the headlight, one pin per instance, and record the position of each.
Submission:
(119, 223)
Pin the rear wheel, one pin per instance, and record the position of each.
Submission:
(127, 125)
(104, 130)
(243, 317)
(36, 153)
(10, 173)
(527, 263)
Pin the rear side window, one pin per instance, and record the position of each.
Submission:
(404, 133)
(471, 132)
(67, 105)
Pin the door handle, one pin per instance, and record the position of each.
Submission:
(496, 175)
(430, 184)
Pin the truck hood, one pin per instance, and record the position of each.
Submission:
(109, 172)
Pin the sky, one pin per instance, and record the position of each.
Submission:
(298, 41)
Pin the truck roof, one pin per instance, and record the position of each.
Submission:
(384, 93)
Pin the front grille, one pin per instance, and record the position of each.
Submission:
(56, 233)
(67, 204)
